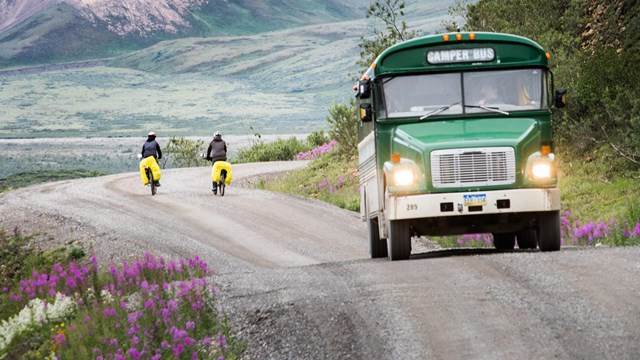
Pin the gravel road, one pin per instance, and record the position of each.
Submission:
(296, 281)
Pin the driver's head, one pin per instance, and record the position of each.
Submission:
(489, 90)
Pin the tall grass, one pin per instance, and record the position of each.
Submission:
(330, 177)
(281, 149)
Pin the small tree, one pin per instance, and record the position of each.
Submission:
(343, 126)
(183, 152)
(389, 12)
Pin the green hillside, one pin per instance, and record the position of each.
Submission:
(275, 82)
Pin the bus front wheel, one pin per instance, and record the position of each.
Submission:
(549, 230)
(399, 241)
(377, 246)
(504, 241)
(527, 238)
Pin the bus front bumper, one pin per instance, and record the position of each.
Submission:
(473, 203)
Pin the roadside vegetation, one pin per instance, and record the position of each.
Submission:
(60, 304)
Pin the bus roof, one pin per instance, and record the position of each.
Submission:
(458, 51)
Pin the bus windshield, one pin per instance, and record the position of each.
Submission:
(502, 91)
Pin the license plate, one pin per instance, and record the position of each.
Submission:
(475, 200)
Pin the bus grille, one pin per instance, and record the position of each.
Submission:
(473, 167)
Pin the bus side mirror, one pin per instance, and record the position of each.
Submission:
(364, 89)
(365, 112)
(560, 98)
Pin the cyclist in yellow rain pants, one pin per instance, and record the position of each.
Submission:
(150, 153)
(217, 152)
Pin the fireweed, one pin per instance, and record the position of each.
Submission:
(317, 151)
(152, 309)
(574, 233)
(609, 232)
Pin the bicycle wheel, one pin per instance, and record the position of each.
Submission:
(221, 184)
(152, 183)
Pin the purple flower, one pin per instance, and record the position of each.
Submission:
(222, 341)
(206, 341)
(110, 312)
(58, 339)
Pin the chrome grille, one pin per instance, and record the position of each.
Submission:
(473, 167)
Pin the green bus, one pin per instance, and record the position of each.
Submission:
(455, 138)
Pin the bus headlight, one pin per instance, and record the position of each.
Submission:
(540, 168)
(404, 177)
(541, 171)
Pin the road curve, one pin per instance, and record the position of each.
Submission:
(296, 281)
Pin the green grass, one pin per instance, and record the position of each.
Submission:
(331, 178)
(592, 196)
(281, 149)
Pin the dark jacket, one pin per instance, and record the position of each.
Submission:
(151, 148)
(217, 150)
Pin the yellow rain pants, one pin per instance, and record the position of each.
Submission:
(155, 169)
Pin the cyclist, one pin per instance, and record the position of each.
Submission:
(217, 151)
(152, 148)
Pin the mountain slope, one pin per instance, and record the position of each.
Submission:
(15, 11)
(49, 31)
(277, 82)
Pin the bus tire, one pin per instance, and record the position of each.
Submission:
(399, 241)
(377, 246)
(504, 241)
(549, 230)
(527, 238)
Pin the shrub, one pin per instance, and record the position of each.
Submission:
(279, 150)
(183, 152)
(343, 127)
(317, 138)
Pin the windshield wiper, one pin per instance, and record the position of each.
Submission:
(438, 111)
(492, 109)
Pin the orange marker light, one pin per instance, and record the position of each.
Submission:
(545, 150)
(445, 37)
(395, 158)
(458, 36)
(472, 36)
(548, 55)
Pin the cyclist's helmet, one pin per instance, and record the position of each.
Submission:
(217, 134)
(151, 134)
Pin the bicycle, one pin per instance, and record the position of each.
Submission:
(220, 176)
(147, 178)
